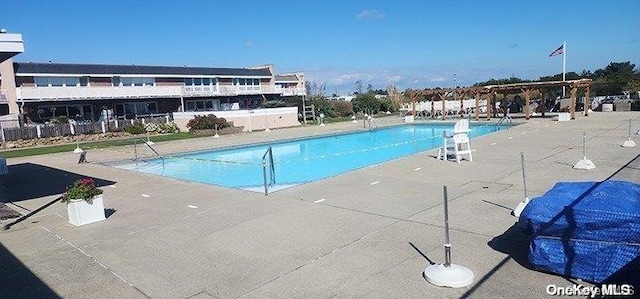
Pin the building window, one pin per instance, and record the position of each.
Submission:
(135, 109)
(200, 81)
(244, 81)
(203, 105)
(57, 81)
(137, 81)
(84, 81)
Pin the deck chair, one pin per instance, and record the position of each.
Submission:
(456, 143)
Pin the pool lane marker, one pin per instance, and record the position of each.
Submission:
(319, 200)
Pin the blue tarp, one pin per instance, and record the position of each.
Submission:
(586, 230)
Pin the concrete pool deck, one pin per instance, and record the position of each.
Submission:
(366, 233)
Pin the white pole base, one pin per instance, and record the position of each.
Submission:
(322, 125)
(78, 150)
(584, 163)
(454, 276)
(216, 136)
(267, 130)
(354, 121)
(149, 142)
(628, 143)
(520, 207)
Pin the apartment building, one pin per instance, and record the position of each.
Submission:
(86, 91)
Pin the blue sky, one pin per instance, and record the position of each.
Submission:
(412, 44)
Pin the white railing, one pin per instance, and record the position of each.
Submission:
(298, 91)
(200, 90)
(102, 92)
(86, 92)
(240, 89)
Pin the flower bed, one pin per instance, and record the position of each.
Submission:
(223, 131)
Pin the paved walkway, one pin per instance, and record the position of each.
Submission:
(338, 237)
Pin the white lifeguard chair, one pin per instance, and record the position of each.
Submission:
(457, 143)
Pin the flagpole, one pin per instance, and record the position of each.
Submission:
(564, 66)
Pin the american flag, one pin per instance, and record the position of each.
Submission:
(558, 51)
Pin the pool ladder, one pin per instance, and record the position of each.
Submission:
(370, 123)
(135, 150)
(268, 168)
(506, 118)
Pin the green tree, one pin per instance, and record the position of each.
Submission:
(366, 103)
(616, 78)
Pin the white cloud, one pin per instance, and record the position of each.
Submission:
(370, 14)
(394, 78)
(342, 81)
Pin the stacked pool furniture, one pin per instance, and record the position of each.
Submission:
(586, 230)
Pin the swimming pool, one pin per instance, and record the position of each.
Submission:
(301, 160)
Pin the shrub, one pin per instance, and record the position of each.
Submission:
(150, 127)
(322, 105)
(366, 103)
(168, 128)
(387, 105)
(136, 128)
(81, 189)
(342, 108)
(207, 122)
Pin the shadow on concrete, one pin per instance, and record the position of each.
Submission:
(515, 243)
(16, 281)
(25, 217)
(422, 254)
(28, 181)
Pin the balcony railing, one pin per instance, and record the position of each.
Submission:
(113, 92)
(98, 92)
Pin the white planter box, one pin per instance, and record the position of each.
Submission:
(81, 212)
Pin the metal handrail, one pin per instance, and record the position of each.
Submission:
(268, 157)
(503, 119)
(135, 150)
(371, 124)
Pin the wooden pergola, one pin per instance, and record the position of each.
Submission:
(490, 92)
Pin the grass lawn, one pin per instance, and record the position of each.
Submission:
(92, 145)
(120, 142)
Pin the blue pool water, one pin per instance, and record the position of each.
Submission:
(302, 160)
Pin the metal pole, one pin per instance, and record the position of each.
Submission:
(264, 174)
(524, 178)
(584, 144)
(630, 129)
(447, 245)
